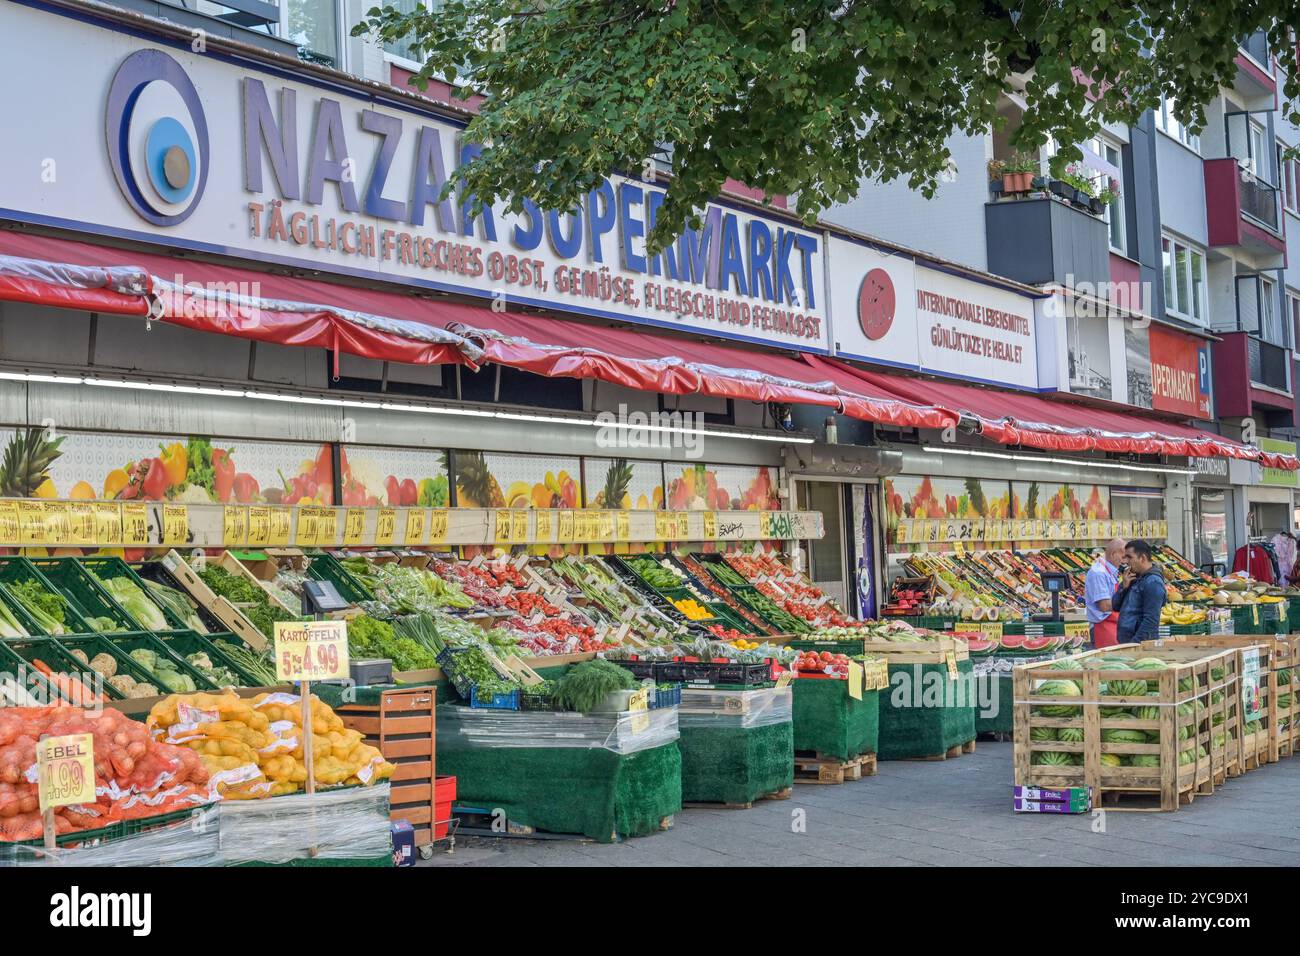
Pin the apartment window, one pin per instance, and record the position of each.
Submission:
(1269, 327)
(1109, 152)
(314, 26)
(1258, 155)
(1293, 318)
(401, 49)
(1288, 171)
(1168, 123)
(1184, 274)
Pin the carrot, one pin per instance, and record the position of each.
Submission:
(74, 690)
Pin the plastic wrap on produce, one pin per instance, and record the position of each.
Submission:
(627, 732)
(745, 708)
(345, 824)
(193, 841)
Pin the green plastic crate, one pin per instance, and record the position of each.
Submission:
(16, 570)
(32, 680)
(79, 586)
(326, 567)
(92, 644)
(188, 642)
(148, 640)
(108, 568)
(157, 572)
(49, 651)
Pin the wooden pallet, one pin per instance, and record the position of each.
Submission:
(820, 769)
(784, 794)
(955, 751)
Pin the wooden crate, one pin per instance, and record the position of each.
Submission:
(239, 570)
(918, 652)
(402, 727)
(1275, 655)
(1197, 684)
(1288, 717)
(228, 614)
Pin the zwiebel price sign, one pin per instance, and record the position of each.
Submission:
(311, 650)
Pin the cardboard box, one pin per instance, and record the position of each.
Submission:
(1048, 806)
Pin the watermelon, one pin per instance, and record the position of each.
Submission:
(1145, 760)
(1253, 727)
(1058, 688)
(1123, 737)
(1284, 676)
(1186, 685)
(1216, 673)
(1012, 641)
(1042, 733)
(1112, 760)
(1125, 688)
(1051, 758)
(1035, 644)
(982, 647)
(1149, 664)
(1284, 701)
(1064, 664)
(1114, 712)
(1146, 713)
(1071, 735)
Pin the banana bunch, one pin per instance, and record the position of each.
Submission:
(1181, 614)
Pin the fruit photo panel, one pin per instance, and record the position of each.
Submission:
(44, 463)
(624, 484)
(721, 488)
(399, 477)
(493, 480)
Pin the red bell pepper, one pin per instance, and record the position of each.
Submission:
(223, 473)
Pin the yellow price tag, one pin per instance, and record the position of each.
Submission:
(519, 526)
(968, 627)
(564, 527)
(259, 526)
(327, 531)
(386, 526)
(855, 680)
(354, 527)
(281, 527)
(501, 530)
(415, 527)
(992, 630)
(9, 523)
(81, 518)
(545, 525)
(875, 675)
(311, 650)
(65, 771)
(439, 518)
(710, 525)
(135, 525)
(234, 525)
(176, 524)
(31, 521)
(623, 526)
(765, 525)
(1078, 629)
(683, 525)
(308, 528)
(951, 659)
(58, 526)
(607, 526)
(108, 522)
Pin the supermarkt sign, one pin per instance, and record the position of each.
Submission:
(208, 152)
(1278, 476)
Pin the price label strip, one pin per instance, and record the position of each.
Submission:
(545, 525)
(135, 525)
(234, 525)
(58, 524)
(10, 524)
(327, 529)
(710, 525)
(501, 526)
(564, 527)
(281, 527)
(259, 526)
(386, 526)
(311, 650)
(415, 527)
(354, 527)
(623, 526)
(439, 519)
(176, 525)
(519, 527)
(81, 521)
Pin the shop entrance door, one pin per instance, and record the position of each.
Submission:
(832, 562)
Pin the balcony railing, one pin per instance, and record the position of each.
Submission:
(1268, 364)
(1259, 200)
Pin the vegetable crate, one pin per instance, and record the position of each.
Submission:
(109, 568)
(232, 618)
(232, 562)
(916, 652)
(14, 570)
(400, 725)
(75, 583)
(326, 567)
(74, 681)
(155, 571)
(1189, 726)
(508, 701)
(1276, 657)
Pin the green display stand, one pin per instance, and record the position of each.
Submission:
(827, 720)
(562, 772)
(997, 690)
(924, 712)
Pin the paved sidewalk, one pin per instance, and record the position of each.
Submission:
(956, 812)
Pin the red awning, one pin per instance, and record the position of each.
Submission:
(291, 311)
(1017, 418)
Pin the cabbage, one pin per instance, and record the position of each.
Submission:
(136, 603)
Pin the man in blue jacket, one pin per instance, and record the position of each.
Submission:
(1140, 597)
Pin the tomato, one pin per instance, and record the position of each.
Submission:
(826, 656)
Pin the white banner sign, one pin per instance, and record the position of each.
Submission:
(137, 138)
(891, 310)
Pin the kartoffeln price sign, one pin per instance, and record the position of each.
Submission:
(311, 650)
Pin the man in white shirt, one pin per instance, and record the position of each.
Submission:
(1099, 593)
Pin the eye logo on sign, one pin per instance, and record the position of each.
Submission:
(157, 137)
(876, 304)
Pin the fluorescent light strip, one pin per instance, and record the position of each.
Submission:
(1077, 462)
(386, 406)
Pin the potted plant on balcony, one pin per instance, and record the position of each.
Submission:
(1018, 173)
(1109, 194)
(995, 170)
(1082, 187)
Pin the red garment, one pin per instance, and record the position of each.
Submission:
(1105, 633)
(1255, 561)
